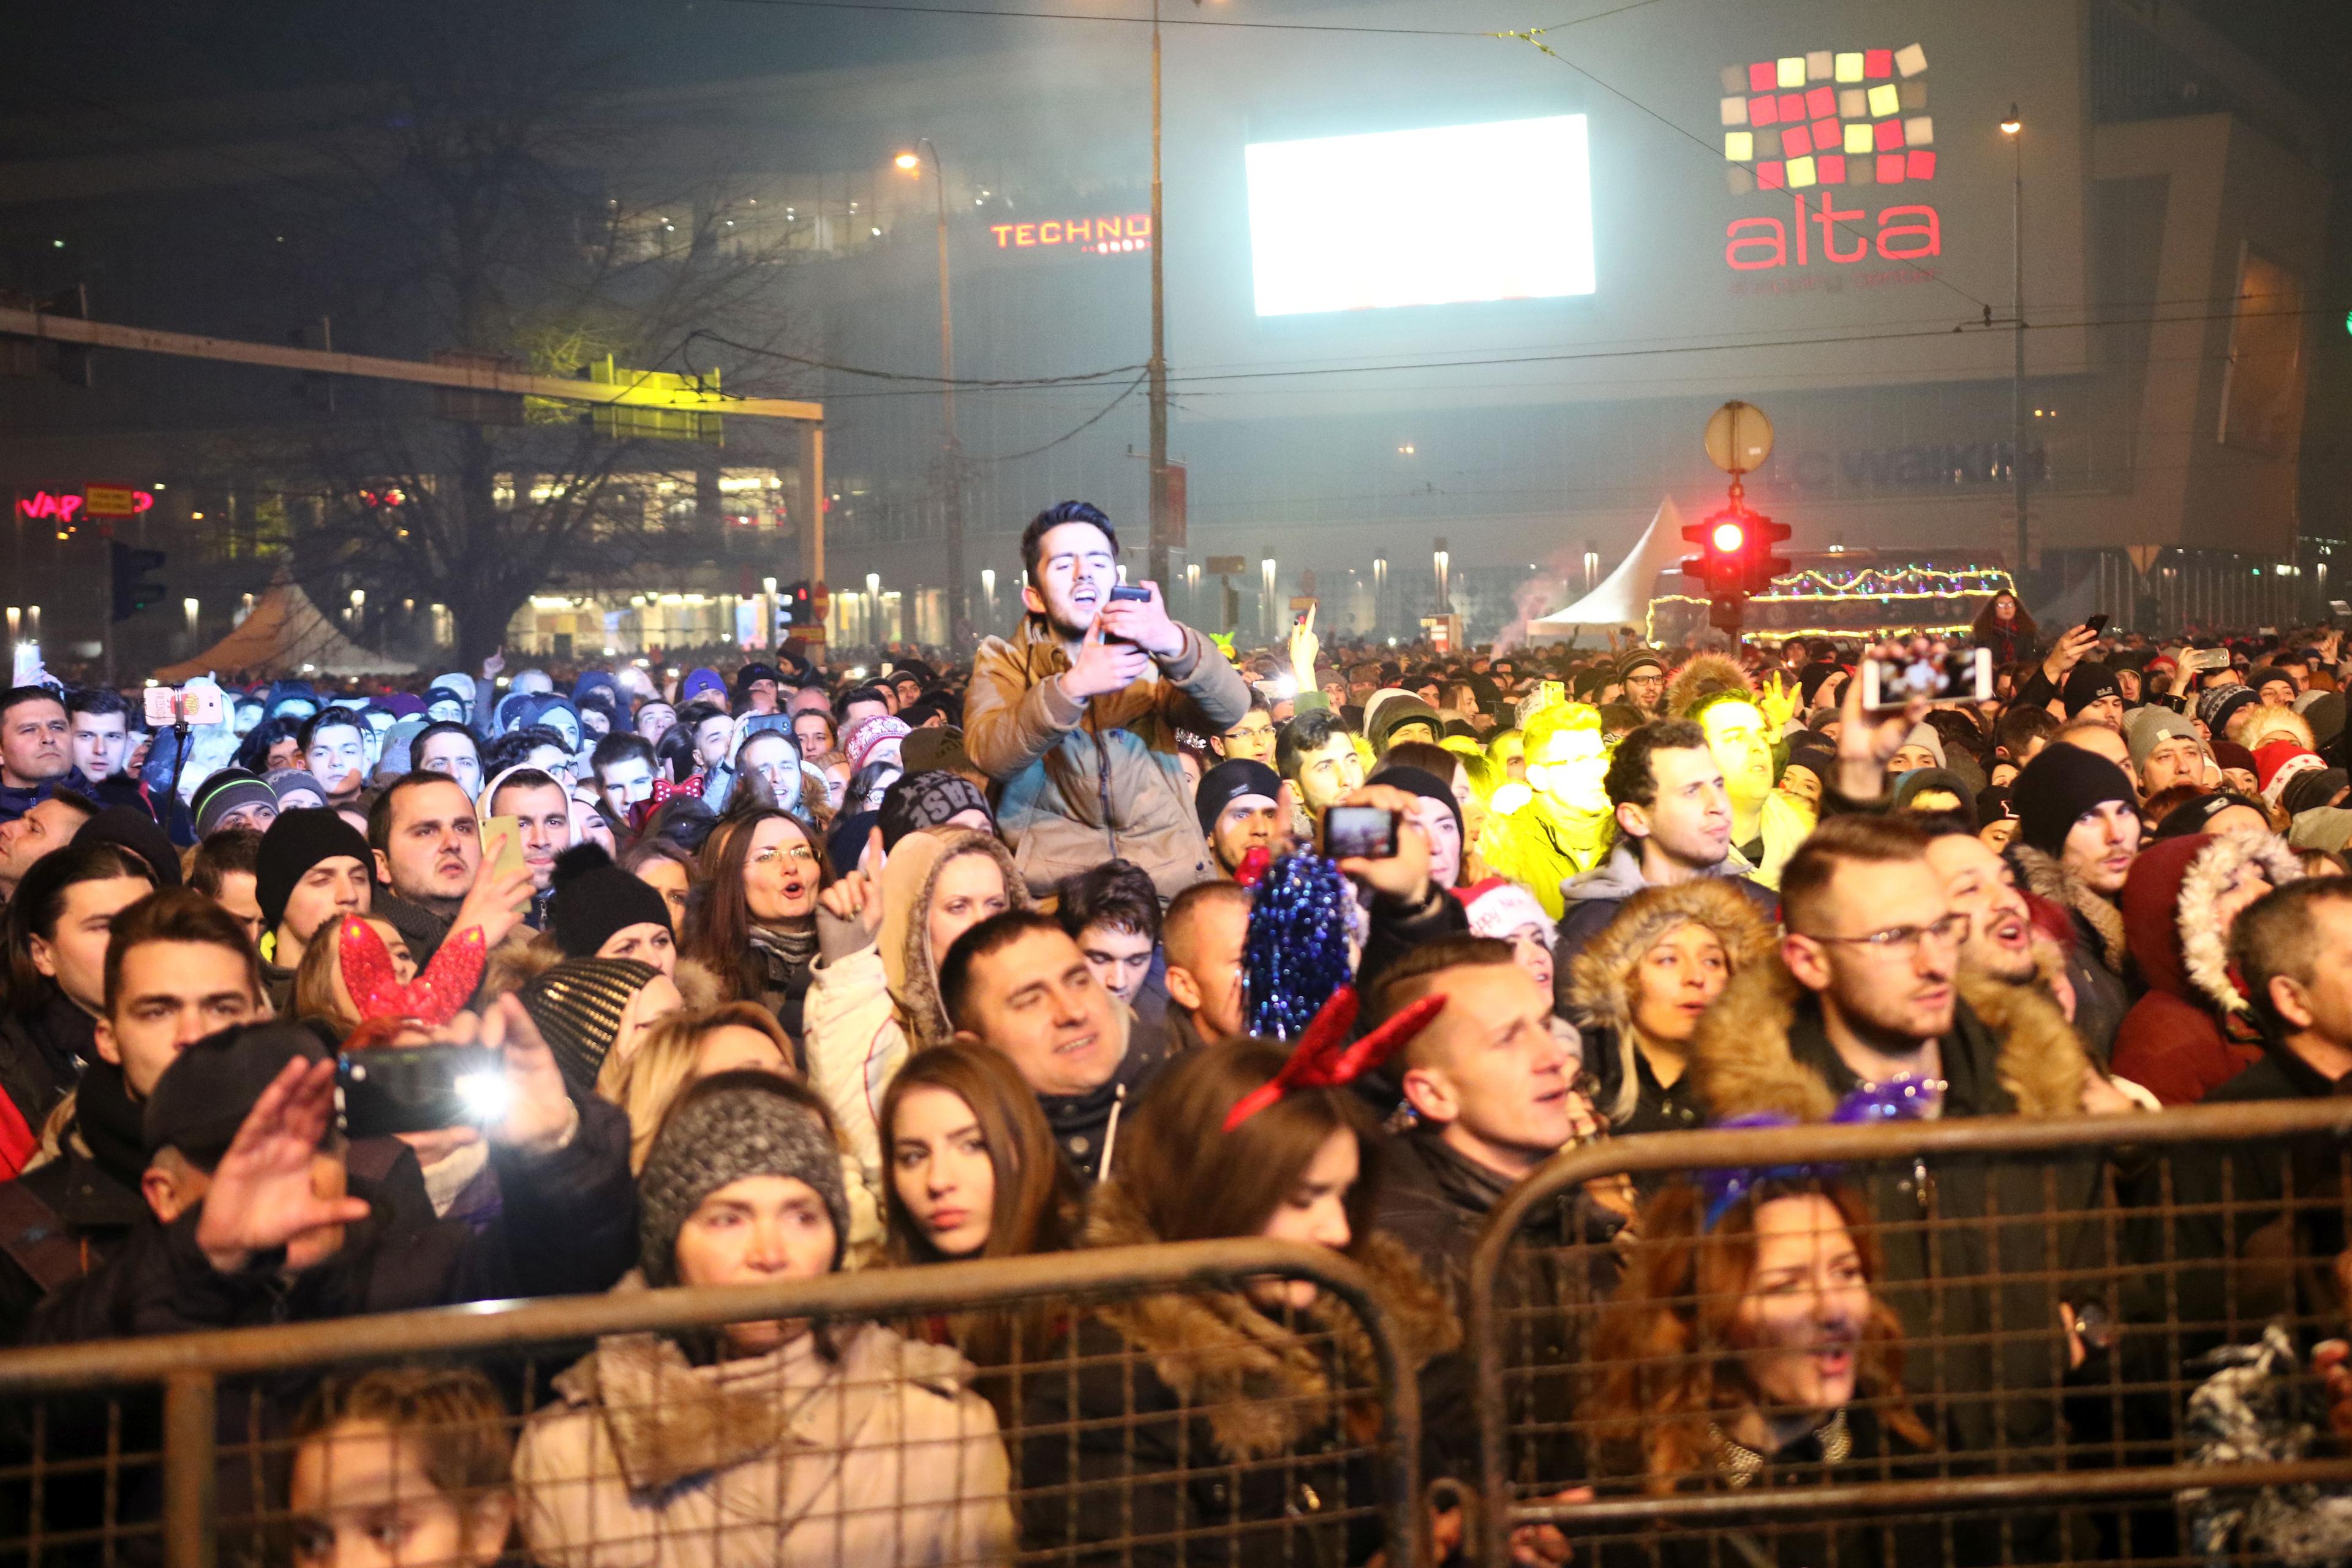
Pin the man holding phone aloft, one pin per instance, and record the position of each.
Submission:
(1077, 714)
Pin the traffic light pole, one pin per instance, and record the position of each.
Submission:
(106, 544)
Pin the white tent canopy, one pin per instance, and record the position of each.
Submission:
(1623, 599)
(286, 634)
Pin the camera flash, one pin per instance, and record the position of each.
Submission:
(486, 1095)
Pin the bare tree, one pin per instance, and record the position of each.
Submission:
(494, 193)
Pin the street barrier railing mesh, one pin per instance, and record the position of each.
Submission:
(815, 1422)
(1956, 1343)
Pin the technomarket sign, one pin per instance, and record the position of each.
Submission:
(1823, 134)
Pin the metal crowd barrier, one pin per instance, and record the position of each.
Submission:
(203, 1377)
(2170, 1239)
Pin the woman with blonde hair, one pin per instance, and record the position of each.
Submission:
(681, 1049)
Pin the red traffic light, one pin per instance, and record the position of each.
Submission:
(1729, 537)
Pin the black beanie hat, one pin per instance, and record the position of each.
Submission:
(1422, 782)
(137, 832)
(297, 841)
(919, 800)
(2086, 684)
(2057, 788)
(578, 1005)
(1227, 782)
(204, 1095)
(594, 899)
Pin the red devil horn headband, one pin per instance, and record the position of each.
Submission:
(1324, 1059)
(432, 998)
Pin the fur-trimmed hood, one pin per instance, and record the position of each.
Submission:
(2046, 879)
(2171, 903)
(909, 879)
(1741, 1061)
(1260, 1386)
(1600, 981)
(1703, 671)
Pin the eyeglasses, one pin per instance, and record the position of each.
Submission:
(773, 853)
(1902, 942)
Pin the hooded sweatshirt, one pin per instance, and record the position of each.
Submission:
(2190, 1032)
(873, 1000)
(1591, 901)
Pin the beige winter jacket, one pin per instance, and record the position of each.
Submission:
(1087, 782)
(880, 1456)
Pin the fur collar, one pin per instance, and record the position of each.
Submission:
(2204, 939)
(1704, 669)
(670, 1420)
(2044, 878)
(1258, 1385)
(1742, 1062)
(1601, 980)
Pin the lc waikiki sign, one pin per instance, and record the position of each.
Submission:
(1824, 127)
(1110, 235)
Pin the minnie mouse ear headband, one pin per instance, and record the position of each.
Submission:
(385, 1005)
(1324, 1059)
(1903, 1098)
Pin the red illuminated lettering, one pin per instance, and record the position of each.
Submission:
(1003, 233)
(47, 503)
(1765, 247)
(1929, 234)
(1025, 234)
(1829, 217)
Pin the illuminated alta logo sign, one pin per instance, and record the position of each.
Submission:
(1831, 130)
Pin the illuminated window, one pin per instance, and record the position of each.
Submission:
(1739, 146)
(1792, 70)
(1849, 66)
(1859, 140)
(1802, 173)
(1884, 100)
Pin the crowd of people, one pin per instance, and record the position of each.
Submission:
(782, 972)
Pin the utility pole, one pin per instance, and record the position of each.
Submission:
(951, 451)
(1159, 368)
(2014, 129)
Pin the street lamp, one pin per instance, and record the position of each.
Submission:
(1442, 559)
(951, 451)
(988, 586)
(2014, 129)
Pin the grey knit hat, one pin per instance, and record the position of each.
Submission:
(730, 1133)
(577, 1005)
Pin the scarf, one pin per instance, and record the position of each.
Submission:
(786, 952)
(109, 1122)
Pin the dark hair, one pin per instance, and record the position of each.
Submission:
(1307, 732)
(505, 751)
(869, 692)
(1864, 840)
(329, 718)
(40, 901)
(2022, 626)
(223, 852)
(445, 727)
(694, 715)
(1427, 755)
(1117, 894)
(718, 924)
(379, 819)
(98, 700)
(253, 752)
(177, 915)
(1033, 538)
(2022, 726)
(18, 696)
(619, 747)
(2276, 935)
(1632, 778)
(999, 930)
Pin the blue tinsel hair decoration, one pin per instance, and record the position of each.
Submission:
(1297, 951)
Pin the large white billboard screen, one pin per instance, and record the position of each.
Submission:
(1455, 215)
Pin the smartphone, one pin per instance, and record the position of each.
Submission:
(419, 1088)
(2096, 624)
(167, 706)
(1946, 677)
(1140, 595)
(163, 707)
(1359, 832)
(502, 845)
